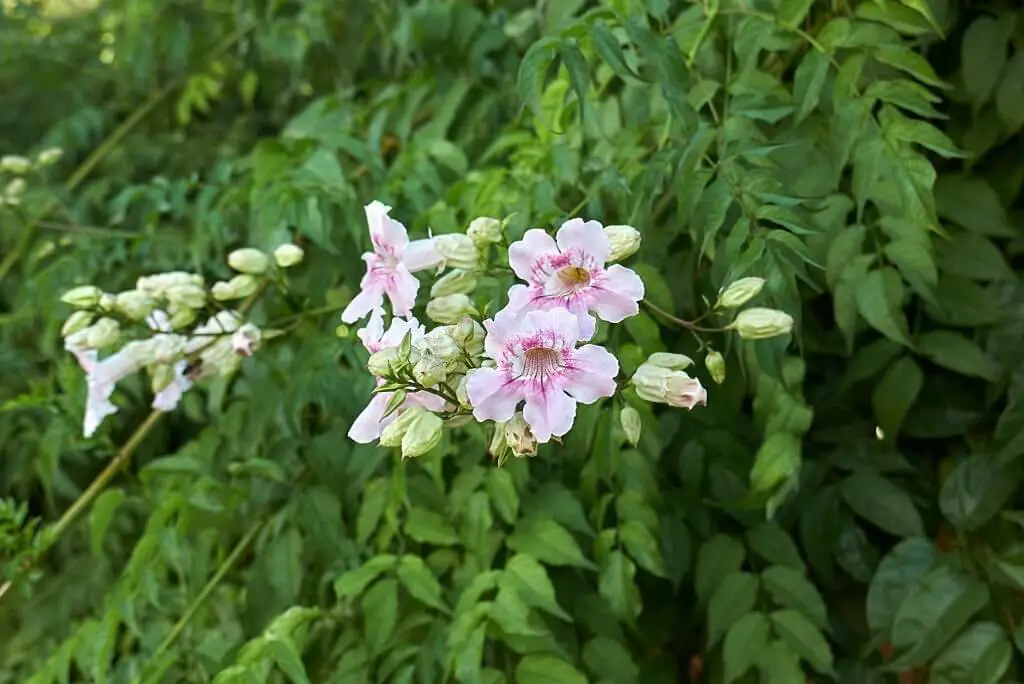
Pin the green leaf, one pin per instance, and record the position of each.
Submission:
(375, 500)
(918, 132)
(776, 461)
(879, 295)
(957, 353)
(900, 570)
(974, 256)
(845, 246)
(971, 202)
(907, 60)
(643, 547)
(533, 68)
(915, 264)
(906, 94)
(579, 71)
(610, 661)
(530, 580)
(547, 669)
(976, 490)
(287, 657)
(981, 655)
(355, 581)
(719, 556)
(804, 638)
(420, 582)
(744, 644)
(617, 586)
(100, 515)
(791, 589)
(501, 489)
(548, 542)
(793, 12)
(933, 611)
(428, 527)
(380, 614)
(982, 57)
(895, 394)
(772, 543)
(1010, 95)
(607, 45)
(780, 664)
(808, 82)
(879, 501)
(735, 596)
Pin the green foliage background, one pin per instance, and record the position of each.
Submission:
(861, 155)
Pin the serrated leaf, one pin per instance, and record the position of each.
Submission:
(579, 71)
(957, 353)
(982, 56)
(428, 527)
(607, 45)
(617, 586)
(420, 582)
(718, 557)
(100, 515)
(915, 264)
(380, 613)
(287, 657)
(530, 580)
(532, 70)
(772, 543)
(808, 82)
(610, 661)
(744, 643)
(548, 542)
(355, 581)
(791, 589)
(735, 596)
(878, 295)
(501, 488)
(804, 638)
(642, 547)
(547, 669)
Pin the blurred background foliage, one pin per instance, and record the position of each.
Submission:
(847, 507)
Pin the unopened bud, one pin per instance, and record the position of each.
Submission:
(498, 448)
(761, 324)
(629, 417)
(462, 391)
(249, 260)
(79, 320)
(484, 231)
(181, 316)
(665, 386)
(167, 348)
(14, 191)
(242, 285)
(186, 295)
(102, 333)
(519, 437)
(739, 292)
(15, 164)
(457, 250)
(83, 296)
(440, 342)
(160, 377)
(430, 370)
(450, 309)
(288, 255)
(469, 335)
(423, 435)
(135, 304)
(393, 432)
(384, 363)
(49, 156)
(670, 361)
(455, 282)
(246, 339)
(715, 363)
(625, 241)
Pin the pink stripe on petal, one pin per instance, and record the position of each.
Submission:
(549, 413)
(592, 375)
(493, 395)
(586, 238)
(523, 255)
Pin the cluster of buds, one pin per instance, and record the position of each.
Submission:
(18, 167)
(756, 323)
(251, 265)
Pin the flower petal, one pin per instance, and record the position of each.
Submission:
(421, 255)
(367, 300)
(492, 397)
(401, 291)
(167, 399)
(368, 424)
(388, 235)
(548, 413)
(524, 254)
(556, 324)
(371, 334)
(429, 401)
(615, 298)
(505, 322)
(586, 322)
(586, 238)
(592, 375)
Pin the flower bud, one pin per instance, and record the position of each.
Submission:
(519, 437)
(180, 316)
(288, 255)
(79, 320)
(629, 417)
(430, 370)
(49, 156)
(450, 309)
(739, 292)
(625, 241)
(423, 435)
(440, 342)
(665, 386)
(14, 191)
(83, 296)
(246, 339)
(167, 348)
(670, 361)
(249, 260)
(385, 362)
(761, 324)
(457, 250)
(498, 448)
(650, 381)
(186, 295)
(242, 285)
(135, 304)
(484, 231)
(15, 164)
(715, 363)
(160, 377)
(469, 335)
(102, 333)
(393, 432)
(462, 391)
(455, 282)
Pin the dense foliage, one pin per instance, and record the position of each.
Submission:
(846, 507)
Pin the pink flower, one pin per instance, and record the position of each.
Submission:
(368, 424)
(569, 272)
(538, 362)
(389, 267)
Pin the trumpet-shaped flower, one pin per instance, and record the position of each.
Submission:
(389, 267)
(537, 362)
(371, 421)
(569, 272)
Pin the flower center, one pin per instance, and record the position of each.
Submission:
(540, 361)
(568, 280)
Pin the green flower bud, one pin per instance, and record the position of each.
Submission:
(484, 231)
(14, 192)
(423, 435)
(430, 370)
(135, 304)
(715, 363)
(665, 386)
(498, 448)
(670, 361)
(180, 316)
(83, 296)
(457, 250)
(739, 292)
(102, 333)
(49, 156)
(15, 164)
(393, 432)
(454, 282)
(469, 335)
(239, 287)
(288, 255)
(450, 309)
(160, 377)
(625, 241)
(385, 362)
(440, 342)
(519, 437)
(79, 320)
(761, 324)
(249, 260)
(629, 417)
(186, 295)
